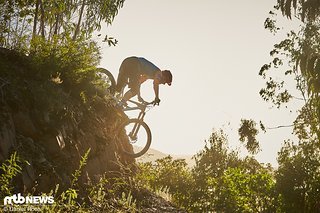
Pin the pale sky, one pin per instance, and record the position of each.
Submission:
(215, 50)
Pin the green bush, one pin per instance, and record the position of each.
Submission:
(171, 176)
(8, 170)
(220, 181)
(72, 61)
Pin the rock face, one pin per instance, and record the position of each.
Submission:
(7, 136)
(53, 155)
(52, 136)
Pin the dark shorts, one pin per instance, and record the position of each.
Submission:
(129, 74)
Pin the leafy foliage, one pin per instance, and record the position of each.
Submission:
(248, 133)
(216, 171)
(240, 191)
(300, 51)
(220, 181)
(116, 193)
(169, 174)
(22, 21)
(77, 173)
(57, 38)
(298, 176)
(73, 62)
(8, 170)
(305, 9)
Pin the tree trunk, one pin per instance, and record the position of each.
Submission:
(79, 21)
(42, 19)
(35, 20)
(56, 27)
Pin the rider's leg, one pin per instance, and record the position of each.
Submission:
(122, 80)
(134, 89)
(129, 74)
(129, 94)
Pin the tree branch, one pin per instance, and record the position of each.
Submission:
(281, 126)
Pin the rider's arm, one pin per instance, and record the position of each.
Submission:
(156, 88)
(156, 92)
(156, 82)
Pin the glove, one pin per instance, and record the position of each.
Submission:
(156, 101)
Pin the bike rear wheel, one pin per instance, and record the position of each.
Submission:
(108, 78)
(140, 141)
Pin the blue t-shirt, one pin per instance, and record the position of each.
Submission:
(148, 68)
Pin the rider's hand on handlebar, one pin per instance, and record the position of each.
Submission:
(156, 101)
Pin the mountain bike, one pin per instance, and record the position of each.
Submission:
(136, 130)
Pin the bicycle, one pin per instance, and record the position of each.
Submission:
(140, 139)
(136, 130)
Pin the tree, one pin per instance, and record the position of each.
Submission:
(300, 51)
(240, 191)
(170, 176)
(48, 19)
(211, 162)
(248, 133)
(297, 179)
(224, 182)
(56, 35)
(221, 181)
(307, 10)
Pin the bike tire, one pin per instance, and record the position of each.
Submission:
(147, 143)
(112, 87)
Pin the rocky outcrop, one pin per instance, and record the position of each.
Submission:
(51, 128)
(53, 155)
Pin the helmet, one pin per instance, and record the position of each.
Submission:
(167, 77)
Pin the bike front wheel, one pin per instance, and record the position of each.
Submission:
(138, 134)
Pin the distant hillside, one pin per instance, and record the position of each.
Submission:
(152, 155)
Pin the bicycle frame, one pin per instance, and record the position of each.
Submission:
(142, 113)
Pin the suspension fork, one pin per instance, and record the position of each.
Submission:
(136, 126)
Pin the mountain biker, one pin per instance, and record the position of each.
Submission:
(136, 70)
